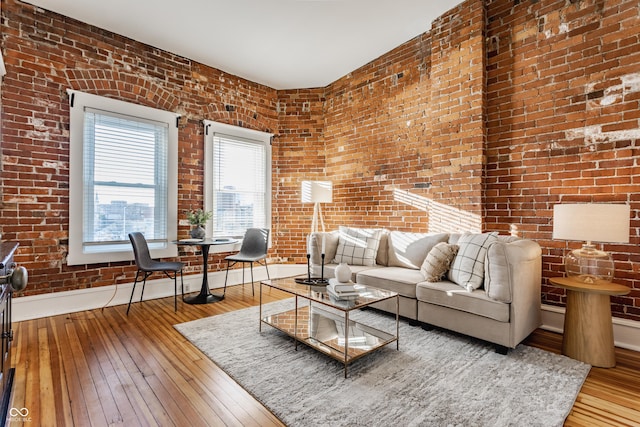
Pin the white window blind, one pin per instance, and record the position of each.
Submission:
(237, 179)
(123, 178)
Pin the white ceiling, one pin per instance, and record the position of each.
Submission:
(284, 44)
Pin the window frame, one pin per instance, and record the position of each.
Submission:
(255, 136)
(118, 251)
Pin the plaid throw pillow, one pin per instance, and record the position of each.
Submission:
(467, 269)
(357, 246)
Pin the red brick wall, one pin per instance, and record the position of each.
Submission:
(299, 155)
(376, 132)
(404, 134)
(46, 54)
(563, 123)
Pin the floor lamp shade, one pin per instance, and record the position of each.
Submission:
(591, 222)
(317, 192)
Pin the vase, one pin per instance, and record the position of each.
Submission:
(343, 272)
(197, 232)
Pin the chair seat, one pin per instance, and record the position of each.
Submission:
(164, 266)
(245, 258)
(253, 249)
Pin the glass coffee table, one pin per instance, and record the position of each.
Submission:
(323, 323)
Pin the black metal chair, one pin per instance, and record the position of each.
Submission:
(148, 266)
(254, 249)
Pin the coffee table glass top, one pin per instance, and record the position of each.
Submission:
(367, 295)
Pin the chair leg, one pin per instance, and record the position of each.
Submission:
(182, 284)
(144, 282)
(225, 278)
(267, 267)
(175, 291)
(252, 291)
(133, 291)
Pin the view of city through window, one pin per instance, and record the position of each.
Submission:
(239, 182)
(126, 179)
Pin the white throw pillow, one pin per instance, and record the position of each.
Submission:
(357, 246)
(438, 261)
(467, 269)
(409, 250)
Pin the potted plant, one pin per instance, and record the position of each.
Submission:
(198, 218)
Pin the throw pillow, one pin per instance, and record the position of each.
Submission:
(438, 261)
(357, 246)
(409, 250)
(467, 269)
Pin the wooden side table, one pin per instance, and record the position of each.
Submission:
(588, 327)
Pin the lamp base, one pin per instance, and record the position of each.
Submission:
(588, 265)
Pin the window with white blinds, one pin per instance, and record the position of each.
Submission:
(124, 179)
(237, 179)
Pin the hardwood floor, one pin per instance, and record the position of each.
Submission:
(102, 368)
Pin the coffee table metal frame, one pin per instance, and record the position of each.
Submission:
(340, 349)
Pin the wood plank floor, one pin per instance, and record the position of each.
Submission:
(102, 368)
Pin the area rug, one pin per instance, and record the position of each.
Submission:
(437, 378)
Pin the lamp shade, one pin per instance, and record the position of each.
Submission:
(592, 222)
(317, 192)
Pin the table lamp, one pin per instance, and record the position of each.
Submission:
(599, 222)
(316, 192)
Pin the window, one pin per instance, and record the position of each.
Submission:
(123, 178)
(237, 179)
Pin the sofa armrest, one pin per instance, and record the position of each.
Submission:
(510, 266)
(331, 246)
(514, 272)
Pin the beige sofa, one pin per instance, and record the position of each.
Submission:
(504, 308)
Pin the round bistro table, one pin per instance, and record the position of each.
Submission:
(205, 296)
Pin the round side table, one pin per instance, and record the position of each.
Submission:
(588, 327)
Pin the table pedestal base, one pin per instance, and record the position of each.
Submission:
(203, 299)
(588, 329)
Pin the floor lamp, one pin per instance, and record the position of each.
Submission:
(317, 192)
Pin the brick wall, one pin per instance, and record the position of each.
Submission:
(299, 155)
(563, 123)
(485, 122)
(46, 54)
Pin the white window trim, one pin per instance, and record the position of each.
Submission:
(212, 128)
(80, 100)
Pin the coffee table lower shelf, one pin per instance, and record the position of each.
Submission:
(325, 332)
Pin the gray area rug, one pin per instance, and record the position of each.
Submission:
(435, 379)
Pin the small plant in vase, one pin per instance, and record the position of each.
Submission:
(198, 218)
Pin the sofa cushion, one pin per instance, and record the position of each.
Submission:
(410, 249)
(357, 246)
(450, 295)
(467, 269)
(438, 261)
(396, 279)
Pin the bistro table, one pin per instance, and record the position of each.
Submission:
(205, 296)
